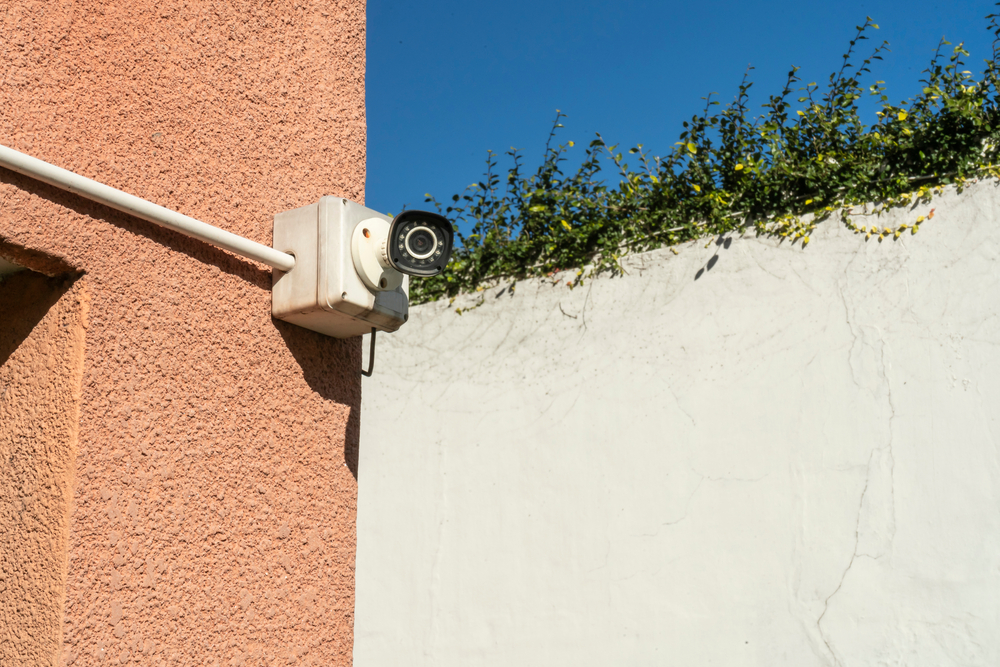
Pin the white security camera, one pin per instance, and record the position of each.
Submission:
(415, 243)
(352, 265)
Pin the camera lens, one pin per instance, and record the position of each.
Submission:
(421, 242)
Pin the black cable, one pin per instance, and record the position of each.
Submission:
(371, 357)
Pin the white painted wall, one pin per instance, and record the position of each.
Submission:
(791, 460)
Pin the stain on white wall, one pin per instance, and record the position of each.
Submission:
(744, 454)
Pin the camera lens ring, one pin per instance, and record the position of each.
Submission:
(417, 237)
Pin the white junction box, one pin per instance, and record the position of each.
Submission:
(324, 291)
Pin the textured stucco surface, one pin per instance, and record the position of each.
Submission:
(214, 500)
(41, 365)
(745, 454)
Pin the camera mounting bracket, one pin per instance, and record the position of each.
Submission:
(324, 291)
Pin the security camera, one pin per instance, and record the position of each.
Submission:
(352, 265)
(415, 243)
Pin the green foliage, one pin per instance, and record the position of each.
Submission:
(809, 153)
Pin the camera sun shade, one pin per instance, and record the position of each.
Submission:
(419, 243)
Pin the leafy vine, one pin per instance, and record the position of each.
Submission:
(806, 154)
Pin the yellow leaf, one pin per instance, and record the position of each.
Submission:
(571, 144)
(805, 240)
(739, 167)
(566, 225)
(920, 219)
(809, 201)
(800, 113)
(696, 188)
(902, 115)
(692, 148)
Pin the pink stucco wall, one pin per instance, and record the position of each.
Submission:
(213, 489)
(41, 362)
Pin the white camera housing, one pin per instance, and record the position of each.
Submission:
(371, 260)
(342, 284)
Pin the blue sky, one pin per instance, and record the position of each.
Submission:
(447, 80)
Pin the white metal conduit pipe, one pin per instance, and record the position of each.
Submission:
(140, 208)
